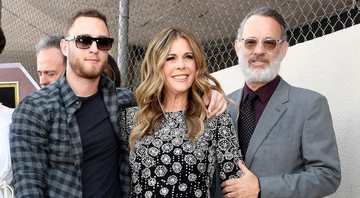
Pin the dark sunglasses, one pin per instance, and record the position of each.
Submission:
(85, 42)
(268, 43)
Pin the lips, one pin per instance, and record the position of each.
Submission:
(92, 59)
(180, 76)
(258, 61)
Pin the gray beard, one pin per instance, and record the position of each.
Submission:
(263, 75)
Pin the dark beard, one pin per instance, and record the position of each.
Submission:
(78, 69)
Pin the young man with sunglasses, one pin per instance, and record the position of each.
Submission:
(290, 150)
(65, 138)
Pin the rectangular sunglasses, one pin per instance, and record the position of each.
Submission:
(85, 42)
(268, 43)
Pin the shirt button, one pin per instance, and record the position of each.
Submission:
(77, 103)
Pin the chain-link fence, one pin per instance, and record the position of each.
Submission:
(214, 22)
(26, 21)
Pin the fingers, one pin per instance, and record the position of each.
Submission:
(230, 194)
(230, 188)
(221, 108)
(244, 169)
(217, 105)
(229, 182)
(212, 102)
(205, 100)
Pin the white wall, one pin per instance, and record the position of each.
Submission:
(329, 65)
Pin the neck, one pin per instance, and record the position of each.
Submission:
(255, 86)
(175, 103)
(81, 86)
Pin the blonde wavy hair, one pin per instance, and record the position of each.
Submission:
(150, 93)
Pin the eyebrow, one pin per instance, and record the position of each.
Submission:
(186, 53)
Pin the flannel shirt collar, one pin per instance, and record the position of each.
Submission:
(68, 95)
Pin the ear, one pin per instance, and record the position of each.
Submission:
(237, 46)
(64, 47)
(284, 49)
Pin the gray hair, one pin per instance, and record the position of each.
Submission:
(267, 12)
(47, 42)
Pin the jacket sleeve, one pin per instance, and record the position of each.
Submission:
(126, 120)
(227, 150)
(321, 174)
(28, 146)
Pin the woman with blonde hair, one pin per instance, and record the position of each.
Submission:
(174, 147)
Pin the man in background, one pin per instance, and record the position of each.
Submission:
(51, 63)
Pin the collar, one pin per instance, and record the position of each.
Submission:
(68, 95)
(264, 92)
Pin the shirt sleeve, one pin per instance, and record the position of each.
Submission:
(28, 145)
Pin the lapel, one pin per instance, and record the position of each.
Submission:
(272, 113)
(234, 109)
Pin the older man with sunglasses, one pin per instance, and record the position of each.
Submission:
(65, 138)
(285, 133)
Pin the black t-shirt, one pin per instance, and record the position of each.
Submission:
(100, 147)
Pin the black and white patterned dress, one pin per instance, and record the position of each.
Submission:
(167, 164)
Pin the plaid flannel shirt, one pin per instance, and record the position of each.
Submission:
(45, 141)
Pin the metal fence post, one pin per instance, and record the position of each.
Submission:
(123, 41)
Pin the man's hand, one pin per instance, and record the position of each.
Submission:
(216, 104)
(246, 186)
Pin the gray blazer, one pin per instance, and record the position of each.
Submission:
(293, 149)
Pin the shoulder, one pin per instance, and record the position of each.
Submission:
(125, 97)
(127, 118)
(129, 113)
(132, 110)
(222, 119)
(38, 104)
(300, 99)
(46, 95)
(235, 94)
(305, 95)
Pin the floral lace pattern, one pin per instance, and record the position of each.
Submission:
(167, 164)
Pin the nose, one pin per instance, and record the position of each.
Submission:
(181, 64)
(93, 47)
(259, 49)
(44, 81)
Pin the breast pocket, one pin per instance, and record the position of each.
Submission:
(281, 134)
(60, 147)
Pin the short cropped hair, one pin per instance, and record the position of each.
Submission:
(86, 13)
(267, 12)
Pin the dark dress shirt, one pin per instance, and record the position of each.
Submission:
(264, 93)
